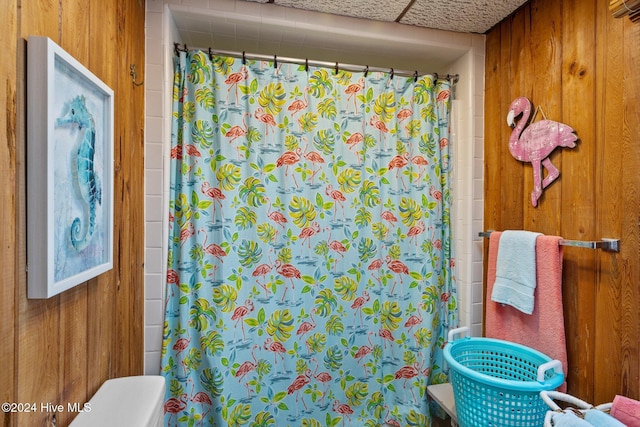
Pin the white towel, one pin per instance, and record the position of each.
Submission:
(516, 270)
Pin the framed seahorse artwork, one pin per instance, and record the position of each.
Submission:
(69, 171)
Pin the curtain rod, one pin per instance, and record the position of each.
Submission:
(452, 78)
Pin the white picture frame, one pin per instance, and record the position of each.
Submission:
(69, 171)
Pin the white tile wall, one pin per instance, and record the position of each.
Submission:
(467, 137)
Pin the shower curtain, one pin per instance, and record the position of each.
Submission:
(310, 267)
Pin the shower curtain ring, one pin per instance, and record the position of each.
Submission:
(415, 76)
(306, 64)
(275, 61)
(244, 58)
(392, 74)
(366, 71)
(336, 68)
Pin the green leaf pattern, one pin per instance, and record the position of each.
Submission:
(304, 269)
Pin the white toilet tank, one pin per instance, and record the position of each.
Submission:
(125, 402)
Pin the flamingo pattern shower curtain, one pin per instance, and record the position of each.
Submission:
(310, 268)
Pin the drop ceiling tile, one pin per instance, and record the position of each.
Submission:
(471, 16)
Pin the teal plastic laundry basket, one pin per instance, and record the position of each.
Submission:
(497, 383)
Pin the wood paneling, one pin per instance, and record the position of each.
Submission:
(580, 65)
(8, 251)
(62, 349)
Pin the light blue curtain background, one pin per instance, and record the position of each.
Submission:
(310, 269)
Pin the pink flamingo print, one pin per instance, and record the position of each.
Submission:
(298, 384)
(173, 278)
(238, 131)
(277, 217)
(363, 351)
(176, 152)
(534, 143)
(386, 335)
(287, 159)
(276, 348)
(261, 271)
(414, 320)
(379, 124)
(240, 312)
(173, 406)
(421, 162)
(375, 265)
(192, 151)
(307, 232)
(397, 267)
(342, 409)
(181, 345)
(398, 162)
(265, 118)
(358, 303)
(235, 78)
(352, 141)
(247, 367)
(315, 158)
(215, 193)
(323, 378)
(406, 373)
(415, 231)
(307, 326)
(212, 249)
(290, 272)
(352, 91)
(298, 105)
(443, 97)
(186, 232)
(403, 115)
(391, 421)
(389, 217)
(435, 193)
(337, 197)
(202, 398)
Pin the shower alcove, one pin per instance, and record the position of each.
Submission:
(267, 29)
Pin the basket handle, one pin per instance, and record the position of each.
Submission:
(456, 332)
(549, 395)
(542, 369)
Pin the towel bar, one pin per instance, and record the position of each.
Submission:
(608, 245)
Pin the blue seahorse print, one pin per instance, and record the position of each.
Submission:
(88, 182)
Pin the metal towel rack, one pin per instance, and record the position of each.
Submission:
(607, 245)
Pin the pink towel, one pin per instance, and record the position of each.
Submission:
(626, 410)
(543, 329)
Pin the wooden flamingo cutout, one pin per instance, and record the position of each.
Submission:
(534, 143)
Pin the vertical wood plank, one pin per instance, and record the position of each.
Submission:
(128, 156)
(630, 277)
(8, 191)
(581, 65)
(102, 341)
(74, 38)
(514, 58)
(543, 85)
(38, 362)
(578, 195)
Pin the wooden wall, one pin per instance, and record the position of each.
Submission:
(62, 349)
(582, 66)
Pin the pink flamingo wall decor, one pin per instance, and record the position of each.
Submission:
(534, 142)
